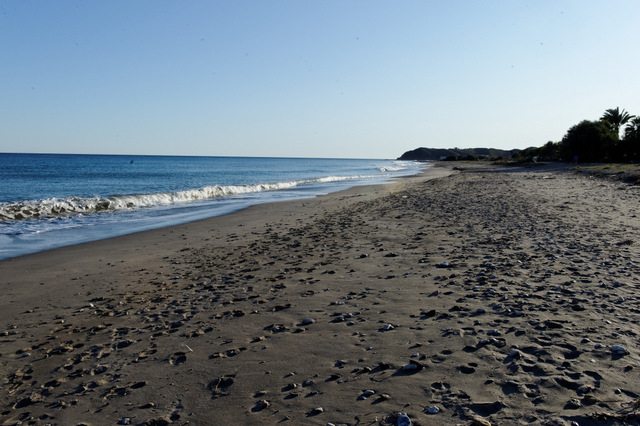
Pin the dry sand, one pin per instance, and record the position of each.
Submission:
(462, 296)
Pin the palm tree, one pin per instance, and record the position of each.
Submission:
(633, 128)
(616, 118)
(631, 140)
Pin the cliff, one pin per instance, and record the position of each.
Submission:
(434, 154)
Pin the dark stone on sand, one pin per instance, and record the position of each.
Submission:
(429, 314)
(552, 324)
(573, 404)
(316, 411)
(261, 405)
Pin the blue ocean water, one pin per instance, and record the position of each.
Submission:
(53, 200)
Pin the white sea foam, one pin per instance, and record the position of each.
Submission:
(398, 165)
(56, 207)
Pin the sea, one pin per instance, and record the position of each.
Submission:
(54, 200)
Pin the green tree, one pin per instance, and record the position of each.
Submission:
(549, 152)
(616, 118)
(631, 141)
(589, 141)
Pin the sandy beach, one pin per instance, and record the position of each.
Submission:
(470, 294)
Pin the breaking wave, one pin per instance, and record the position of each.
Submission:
(87, 205)
(398, 165)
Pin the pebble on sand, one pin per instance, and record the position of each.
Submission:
(515, 354)
(573, 404)
(403, 420)
(619, 350)
(413, 366)
(261, 405)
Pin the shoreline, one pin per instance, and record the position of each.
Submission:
(135, 234)
(130, 197)
(496, 296)
(152, 244)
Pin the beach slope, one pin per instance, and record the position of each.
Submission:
(465, 295)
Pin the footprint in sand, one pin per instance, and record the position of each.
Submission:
(468, 369)
(440, 386)
(220, 385)
(145, 354)
(178, 358)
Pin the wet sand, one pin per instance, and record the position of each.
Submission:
(467, 295)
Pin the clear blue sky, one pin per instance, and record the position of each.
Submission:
(325, 78)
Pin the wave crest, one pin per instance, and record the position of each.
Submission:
(87, 205)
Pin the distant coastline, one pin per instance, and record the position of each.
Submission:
(436, 154)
